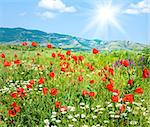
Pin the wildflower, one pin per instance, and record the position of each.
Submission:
(91, 81)
(130, 82)
(6, 63)
(80, 78)
(52, 74)
(146, 73)
(13, 95)
(68, 52)
(128, 98)
(109, 87)
(95, 51)
(2, 55)
(139, 90)
(57, 104)
(126, 63)
(53, 55)
(92, 94)
(11, 113)
(82, 116)
(84, 92)
(34, 44)
(45, 90)
(63, 108)
(41, 80)
(115, 98)
(49, 46)
(53, 91)
(70, 117)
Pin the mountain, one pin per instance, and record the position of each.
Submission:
(17, 35)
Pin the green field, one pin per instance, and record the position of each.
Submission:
(50, 87)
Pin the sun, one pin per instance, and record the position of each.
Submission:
(104, 17)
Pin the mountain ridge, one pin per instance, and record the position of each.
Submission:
(18, 34)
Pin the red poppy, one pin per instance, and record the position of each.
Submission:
(17, 108)
(11, 113)
(91, 81)
(53, 55)
(13, 95)
(111, 71)
(49, 46)
(29, 86)
(95, 51)
(45, 90)
(84, 92)
(81, 58)
(130, 81)
(52, 74)
(106, 67)
(63, 108)
(17, 62)
(14, 104)
(80, 78)
(115, 98)
(116, 92)
(34, 44)
(6, 63)
(31, 82)
(57, 104)
(122, 108)
(92, 94)
(24, 44)
(139, 90)
(53, 91)
(110, 87)
(146, 73)
(41, 80)
(126, 63)
(68, 52)
(128, 98)
(2, 55)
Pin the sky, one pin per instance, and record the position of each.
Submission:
(91, 19)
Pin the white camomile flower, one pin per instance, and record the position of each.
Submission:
(84, 126)
(74, 119)
(58, 121)
(46, 121)
(70, 125)
(94, 117)
(70, 117)
(133, 122)
(82, 104)
(106, 121)
(54, 113)
(53, 119)
(77, 115)
(98, 106)
(82, 116)
(86, 106)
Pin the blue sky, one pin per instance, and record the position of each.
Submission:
(74, 16)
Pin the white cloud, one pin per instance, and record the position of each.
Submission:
(47, 14)
(56, 5)
(139, 8)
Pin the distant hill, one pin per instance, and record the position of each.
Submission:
(17, 35)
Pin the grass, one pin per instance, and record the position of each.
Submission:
(95, 108)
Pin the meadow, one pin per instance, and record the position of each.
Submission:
(51, 87)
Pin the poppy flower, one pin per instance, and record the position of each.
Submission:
(115, 98)
(128, 98)
(41, 80)
(17, 108)
(53, 91)
(6, 63)
(146, 73)
(57, 104)
(111, 71)
(130, 81)
(52, 74)
(68, 52)
(126, 63)
(110, 87)
(11, 113)
(122, 108)
(45, 90)
(13, 95)
(17, 62)
(24, 44)
(31, 82)
(106, 67)
(34, 44)
(91, 81)
(84, 92)
(53, 55)
(139, 90)
(116, 92)
(95, 51)
(14, 104)
(80, 78)
(2, 55)
(81, 58)
(49, 46)
(29, 86)
(92, 94)
(63, 108)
